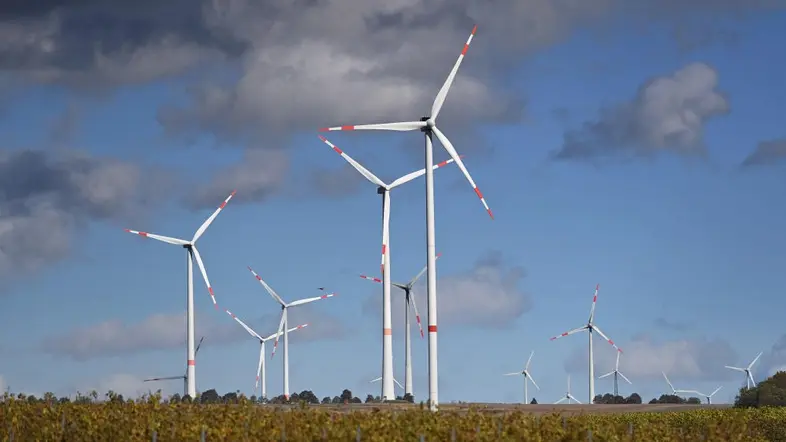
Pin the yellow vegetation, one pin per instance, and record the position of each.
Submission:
(129, 421)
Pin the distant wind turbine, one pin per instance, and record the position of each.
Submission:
(674, 391)
(527, 376)
(707, 396)
(617, 373)
(568, 397)
(184, 377)
(747, 370)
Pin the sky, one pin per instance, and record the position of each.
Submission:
(635, 144)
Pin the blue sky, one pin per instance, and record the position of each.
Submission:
(681, 243)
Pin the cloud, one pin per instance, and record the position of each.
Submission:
(670, 324)
(772, 361)
(166, 331)
(644, 357)
(489, 295)
(45, 197)
(258, 175)
(667, 114)
(767, 152)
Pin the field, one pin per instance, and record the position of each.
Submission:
(155, 421)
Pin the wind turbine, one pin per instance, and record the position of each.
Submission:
(527, 376)
(282, 326)
(409, 300)
(747, 370)
(617, 373)
(261, 364)
(591, 327)
(427, 125)
(674, 391)
(707, 396)
(192, 254)
(394, 380)
(183, 377)
(568, 397)
(387, 331)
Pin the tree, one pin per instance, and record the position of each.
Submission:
(369, 399)
(633, 399)
(346, 396)
(409, 398)
(308, 397)
(229, 398)
(533, 401)
(210, 397)
(326, 400)
(768, 393)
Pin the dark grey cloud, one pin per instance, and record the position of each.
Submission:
(668, 113)
(166, 331)
(45, 197)
(766, 152)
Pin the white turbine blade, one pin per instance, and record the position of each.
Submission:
(371, 278)
(307, 300)
(750, 375)
(531, 354)
(594, 301)
(716, 390)
(560, 401)
(199, 345)
(280, 331)
(375, 380)
(267, 287)
(605, 375)
(603, 335)
(667, 381)
(452, 151)
(204, 274)
(400, 127)
(166, 239)
(243, 324)
(398, 383)
(301, 326)
(443, 92)
(734, 368)
(411, 176)
(168, 378)
(512, 374)
(414, 305)
(529, 376)
(571, 396)
(623, 377)
(259, 365)
(422, 272)
(212, 217)
(359, 167)
(575, 330)
(690, 391)
(754, 361)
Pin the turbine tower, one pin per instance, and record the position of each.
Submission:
(428, 126)
(184, 377)
(617, 373)
(590, 327)
(284, 324)
(409, 303)
(261, 364)
(568, 397)
(527, 376)
(387, 329)
(747, 370)
(192, 254)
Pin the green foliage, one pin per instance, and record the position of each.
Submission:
(768, 393)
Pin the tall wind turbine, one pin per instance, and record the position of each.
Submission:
(529, 377)
(184, 377)
(284, 324)
(387, 330)
(427, 125)
(409, 302)
(747, 370)
(261, 364)
(192, 254)
(706, 396)
(617, 373)
(568, 397)
(590, 327)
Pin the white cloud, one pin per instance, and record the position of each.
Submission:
(488, 295)
(645, 357)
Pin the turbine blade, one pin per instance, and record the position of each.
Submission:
(202, 270)
(199, 345)
(512, 374)
(571, 396)
(417, 174)
(452, 151)
(280, 331)
(560, 401)
(533, 381)
(212, 217)
(259, 364)
(168, 378)
(267, 287)
(359, 167)
(754, 361)
(399, 127)
(375, 380)
(532, 353)
(371, 278)
(443, 92)
(716, 390)
(623, 377)
(734, 368)
(308, 300)
(243, 324)
(594, 301)
(750, 375)
(600, 332)
(414, 305)
(617, 364)
(166, 239)
(668, 382)
(575, 330)
(422, 272)
(607, 374)
(398, 383)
